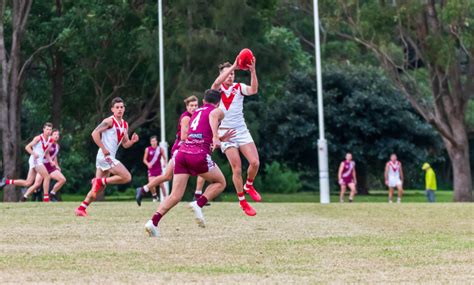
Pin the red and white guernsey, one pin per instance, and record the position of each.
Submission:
(42, 145)
(394, 169)
(113, 136)
(232, 104)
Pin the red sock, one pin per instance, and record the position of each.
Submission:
(83, 206)
(241, 196)
(156, 218)
(202, 201)
(46, 198)
(10, 181)
(248, 184)
(197, 196)
(101, 181)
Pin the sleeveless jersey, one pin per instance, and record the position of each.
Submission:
(154, 157)
(113, 136)
(394, 169)
(53, 152)
(348, 168)
(200, 132)
(42, 145)
(232, 104)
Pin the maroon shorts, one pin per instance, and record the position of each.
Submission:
(193, 164)
(346, 180)
(49, 167)
(153, 172)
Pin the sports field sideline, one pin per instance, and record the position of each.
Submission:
(284, 243)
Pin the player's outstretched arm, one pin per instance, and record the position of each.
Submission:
(224, 74)
(96, 134)
(253, 88)
(29, 147)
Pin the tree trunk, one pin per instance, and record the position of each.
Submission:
(362, 187)
(460, 162)
(57, 75)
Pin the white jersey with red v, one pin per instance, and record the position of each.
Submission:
(232, 104)
(42, 145)
(113, 136)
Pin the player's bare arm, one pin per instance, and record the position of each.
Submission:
(96, 133)
(386, 173)
(354, 176)
(145, 158)
(29, 147)
(223, 76)
(215, 117)
(253, 88)
(127, 142)
(184, 128)
(163, 156)
(401, 172)
(339, 172)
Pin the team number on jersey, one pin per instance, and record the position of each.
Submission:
(195, 122)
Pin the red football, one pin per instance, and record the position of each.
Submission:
(244, 59)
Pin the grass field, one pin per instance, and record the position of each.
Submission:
(297, 243)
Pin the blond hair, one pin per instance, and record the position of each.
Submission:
(190, 99)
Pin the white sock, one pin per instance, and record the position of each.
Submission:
(53, 192)
(199, 192)
(146, 188)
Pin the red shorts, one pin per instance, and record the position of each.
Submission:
(49, 167)
(193, 164)
(154, 172)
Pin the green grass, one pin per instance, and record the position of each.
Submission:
(300, 243)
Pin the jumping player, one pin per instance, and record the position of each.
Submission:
(52, 166)
(194, 158)
(347, 178)
(108, 136)
(394, 178)
(181, 135)
(38, 149)
(152, 159)
(232, 99)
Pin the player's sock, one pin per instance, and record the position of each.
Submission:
(197, 194)
(156, 218)
(46, 198)
(53, 192)
(84, 206)
(202, 201)
(154, 196)
(102, 181)
(9, 181)
(146, 188)
(248, 184)
(241, 196)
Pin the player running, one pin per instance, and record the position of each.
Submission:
(394, 178)
(108, 136)
(181, 135)
(152, 159)
(194, 158)
(347, 178)
(232, 99)
(52, 166)
(38, 149)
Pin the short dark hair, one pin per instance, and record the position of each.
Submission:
(47, 124)
(212, 96)
(190, 99)
(55, 130)
(154, 137)
(115, 101)
(224, 65)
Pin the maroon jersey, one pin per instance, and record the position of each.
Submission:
(200, 132)
(154, 158)
(177, 142)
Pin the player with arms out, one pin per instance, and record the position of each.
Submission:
(108, 136)
(38, 149)
(181, 135)
(232, 99)
(152, 159)
(394, 178)
(52, 166)
(347, 178)
(194, 158)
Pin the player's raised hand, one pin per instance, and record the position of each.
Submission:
(227, 135)
(235, 66)
(135, 138)
(251, 66)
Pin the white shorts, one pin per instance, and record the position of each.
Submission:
(105, 163)
(35, 162)
(242, 137)
(394, 181)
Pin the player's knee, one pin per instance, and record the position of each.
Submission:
(237, 171)
(255, 163)
(127, 178)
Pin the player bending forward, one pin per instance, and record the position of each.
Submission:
(38, 149)
(194, 158)
(394, 178)
(108, 136)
